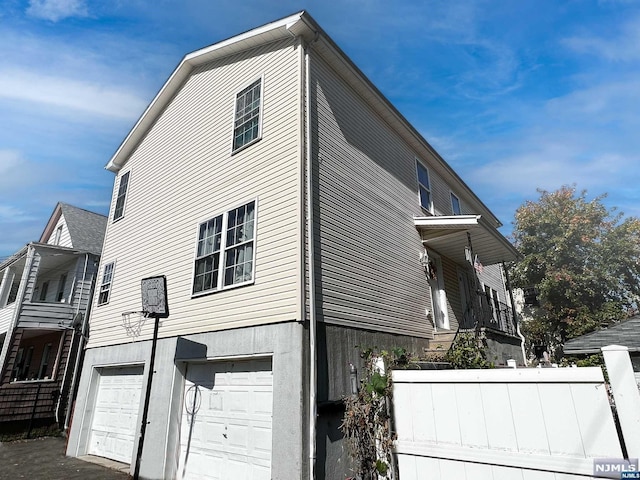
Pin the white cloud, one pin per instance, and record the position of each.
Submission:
(56, 10)
(70, 93)
(622, 43)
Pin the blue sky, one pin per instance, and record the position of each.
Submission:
(515, 95)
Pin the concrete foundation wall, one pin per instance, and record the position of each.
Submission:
(502, 347)
(283, 342)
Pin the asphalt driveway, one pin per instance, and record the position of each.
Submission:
(44, 458)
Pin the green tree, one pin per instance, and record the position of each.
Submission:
(584, 260)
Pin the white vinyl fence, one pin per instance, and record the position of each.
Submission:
(510, 424)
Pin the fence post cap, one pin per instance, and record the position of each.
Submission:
(615, 348)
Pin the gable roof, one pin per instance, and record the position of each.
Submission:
(625, 333)
(300, 25)
(86, 228)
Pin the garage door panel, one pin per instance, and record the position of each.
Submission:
(231, 426)
(115, 417)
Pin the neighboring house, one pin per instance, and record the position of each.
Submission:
(297, 217)
(625, 333)
(45, 297)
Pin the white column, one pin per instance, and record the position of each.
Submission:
(625, 394)
(5, 287)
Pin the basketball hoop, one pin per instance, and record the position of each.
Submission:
(133, 322)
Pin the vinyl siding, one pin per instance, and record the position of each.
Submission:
(83, 284)
(367, 248)
(492, 276)
(65, 237)
(183, 173)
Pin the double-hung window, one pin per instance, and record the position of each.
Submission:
(424, 188)
(247, 125)
(225, 250)
(118, 212)
(105, 286)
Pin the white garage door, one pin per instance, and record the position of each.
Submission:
(226, 421)
(115, 418)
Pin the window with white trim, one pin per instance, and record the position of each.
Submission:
(105, 285)
(424, 188)
(118, 212)
(455, 204)
(225, 252)
(247, 116)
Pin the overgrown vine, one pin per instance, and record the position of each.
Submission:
(367, 420)
(366, 424)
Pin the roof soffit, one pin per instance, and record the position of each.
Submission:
(448, 236)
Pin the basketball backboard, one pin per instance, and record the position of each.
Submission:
(154, 296)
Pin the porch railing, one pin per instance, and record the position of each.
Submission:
(45, 315)
(489, 314)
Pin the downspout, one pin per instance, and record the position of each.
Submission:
(312, 290)
(81, 342)
(313, 374)
(515, 314)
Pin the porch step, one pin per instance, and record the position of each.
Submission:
(441, 343)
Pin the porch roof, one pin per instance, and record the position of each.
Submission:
(448, 236)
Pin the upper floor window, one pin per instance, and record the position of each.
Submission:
(58, 235)
(122, 195)
(105, 286)
(455, 205)
(246, 125)
(225, 253)
(424, 188)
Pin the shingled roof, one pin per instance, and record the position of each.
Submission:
(86, 229)
(625, 333)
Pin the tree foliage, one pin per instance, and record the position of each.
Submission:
(584, 260)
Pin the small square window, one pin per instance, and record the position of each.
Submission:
(247, 118)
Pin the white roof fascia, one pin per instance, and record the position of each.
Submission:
(448, 221)
(267, 33)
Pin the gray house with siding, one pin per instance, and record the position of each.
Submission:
(45, 296)
(295, 215)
